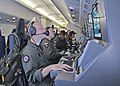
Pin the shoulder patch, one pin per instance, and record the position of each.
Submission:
(26, 59)
(46, 45)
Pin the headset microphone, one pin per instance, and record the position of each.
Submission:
(46, 33)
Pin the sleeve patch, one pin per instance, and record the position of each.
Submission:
(26, 59)
(46, 45)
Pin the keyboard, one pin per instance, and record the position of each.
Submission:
(70, 63)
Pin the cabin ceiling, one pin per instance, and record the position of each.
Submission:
(60, 11)
(74, 8)
(69, 8)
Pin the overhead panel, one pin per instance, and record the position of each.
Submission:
(45, 8)
(61, 5)
(74, 11)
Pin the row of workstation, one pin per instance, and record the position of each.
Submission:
(80, 63)
(99, 63)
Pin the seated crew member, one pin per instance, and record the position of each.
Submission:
(34, 62)
(70, 38)
(51, 52)
(60, 41)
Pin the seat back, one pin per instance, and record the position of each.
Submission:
(2, 45)
(20, 32)
(10, 66)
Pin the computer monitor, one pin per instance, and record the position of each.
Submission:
(96, 22)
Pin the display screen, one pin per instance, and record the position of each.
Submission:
(96, 23)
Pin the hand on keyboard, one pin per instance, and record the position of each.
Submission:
(60, 67)
(69, 69)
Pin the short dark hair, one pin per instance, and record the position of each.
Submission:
(63, 32)
(72, 32)
(52, 26)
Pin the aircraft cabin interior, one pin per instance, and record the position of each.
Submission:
(95, 59)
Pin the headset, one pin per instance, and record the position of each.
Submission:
(47, 33)
(32, 30)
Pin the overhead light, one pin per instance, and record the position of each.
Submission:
(0, 18)
(8, 20)
(28, 2)
(71, 8)
(13, 18)
(55, 20)
(73, 16)
(60, 23)
(41, 11)
(52, 18)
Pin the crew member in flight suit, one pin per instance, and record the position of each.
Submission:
(60, 41)
(34, 62)
(51, 52)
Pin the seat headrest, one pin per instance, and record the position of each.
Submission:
(16, 41)
(20, 27)
(0, 33)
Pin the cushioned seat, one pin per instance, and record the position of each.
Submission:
(2, 45)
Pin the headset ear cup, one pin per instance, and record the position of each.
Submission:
(46, 33)
(32, 30)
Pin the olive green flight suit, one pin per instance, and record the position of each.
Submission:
(33, 61)
(50, 51)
